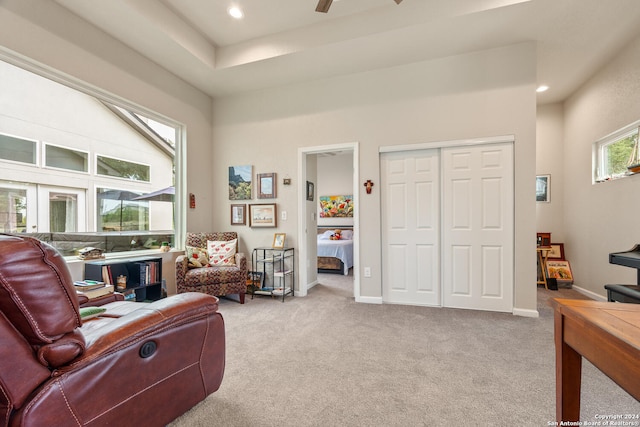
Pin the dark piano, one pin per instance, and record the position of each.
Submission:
(625, 293)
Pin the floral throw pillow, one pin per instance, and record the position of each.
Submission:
(198, 257)
(222, 253)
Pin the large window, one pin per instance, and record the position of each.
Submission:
(616, 154)
(103, 176)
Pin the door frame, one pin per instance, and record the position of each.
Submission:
(303, 219)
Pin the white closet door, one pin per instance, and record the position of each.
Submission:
(411, 227)
(478, 216)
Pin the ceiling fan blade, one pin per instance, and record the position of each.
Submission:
(398, 1)
(324, 5)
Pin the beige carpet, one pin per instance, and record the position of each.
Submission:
(324, 360)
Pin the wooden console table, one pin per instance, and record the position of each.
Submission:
(605, 333)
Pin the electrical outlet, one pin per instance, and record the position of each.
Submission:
(367, 272)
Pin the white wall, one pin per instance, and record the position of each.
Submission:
(480, 94)
(601, 218)
(550, 161)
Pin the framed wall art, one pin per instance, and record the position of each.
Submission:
(266, 186)
(556, 252)
(336, 206)
(543, 239)
(240, 182)
(238, 214)
(543, 183)
(560, 270)
(310, 191)
(262, 215)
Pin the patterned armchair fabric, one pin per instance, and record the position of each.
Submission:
(217, 281)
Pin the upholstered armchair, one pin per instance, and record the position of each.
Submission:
(138, 364)
(198, 276)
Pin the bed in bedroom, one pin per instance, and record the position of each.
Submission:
(335, 256)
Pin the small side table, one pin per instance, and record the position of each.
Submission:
(543, 254)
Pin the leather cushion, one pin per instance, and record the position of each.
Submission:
(36, 290)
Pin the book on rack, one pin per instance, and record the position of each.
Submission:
(87, 285)
(98, 292)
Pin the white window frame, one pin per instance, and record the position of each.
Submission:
(45, 145)
(599, 151)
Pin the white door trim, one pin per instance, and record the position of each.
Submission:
(303, 280)
(450, 143)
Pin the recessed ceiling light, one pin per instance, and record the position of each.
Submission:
(542, 88)
(235, 12)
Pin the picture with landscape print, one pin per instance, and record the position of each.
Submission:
(239, 182)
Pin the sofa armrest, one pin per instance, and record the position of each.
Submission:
(145, 321)
(241, 261)
(96, 302)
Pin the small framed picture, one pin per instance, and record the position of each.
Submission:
(543, 239)
(266, 186)
(310, 191)
(262, 215)
(543, 186)
(278, 240)
(238, 214)
(560, 270)
(556, 252)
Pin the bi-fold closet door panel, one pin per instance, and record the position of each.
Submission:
(447, 218)
(411, 227)
(478, 227)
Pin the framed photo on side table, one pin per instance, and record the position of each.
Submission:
(278, 240)
(262, 215)
(238, 214)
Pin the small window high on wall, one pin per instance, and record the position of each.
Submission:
(616, 155)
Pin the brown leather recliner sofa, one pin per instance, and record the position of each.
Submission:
(138, 364)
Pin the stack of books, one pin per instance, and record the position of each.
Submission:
(92, 288)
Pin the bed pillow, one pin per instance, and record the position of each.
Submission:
(222, 253)
(326, 235)
(347, 235)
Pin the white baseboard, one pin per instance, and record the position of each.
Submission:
(589, 293)
(525, 312)
(369, 300)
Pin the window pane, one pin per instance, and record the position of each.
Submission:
(17, 149)
(122, 169)
(117, 211)
(64, 158)
(63, 212)
(617, 155)
(13, 210)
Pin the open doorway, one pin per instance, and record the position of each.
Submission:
(315, 164)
